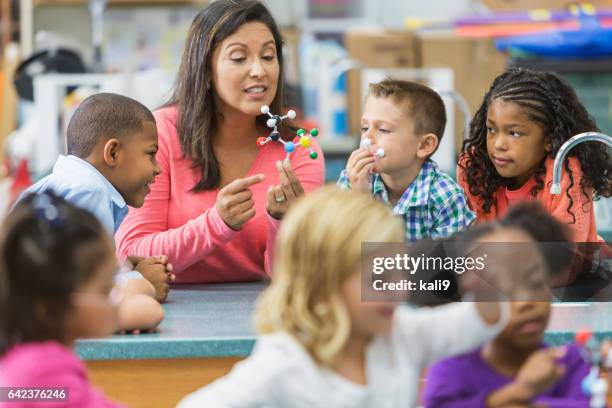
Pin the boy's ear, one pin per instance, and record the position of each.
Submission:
(428, 144)
(111, 152)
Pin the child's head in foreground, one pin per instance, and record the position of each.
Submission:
(524, 119)
(315, 294)
(118, 136)
(532, 270)
(57, 268)
(407, 120)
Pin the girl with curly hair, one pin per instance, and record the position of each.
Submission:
(514, 137)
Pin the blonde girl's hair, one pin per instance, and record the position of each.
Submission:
(318, 247)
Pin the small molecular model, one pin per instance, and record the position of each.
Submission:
(593, 384)
(301, 139)
(366, 143)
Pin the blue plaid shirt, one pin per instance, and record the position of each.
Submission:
(433, 205)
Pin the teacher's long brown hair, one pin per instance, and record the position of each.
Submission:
(193, 93)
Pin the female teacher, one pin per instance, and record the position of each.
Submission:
(216, 206)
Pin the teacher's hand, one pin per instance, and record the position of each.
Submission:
(235, 201)
(280, 197)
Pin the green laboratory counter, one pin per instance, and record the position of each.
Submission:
(200, 321)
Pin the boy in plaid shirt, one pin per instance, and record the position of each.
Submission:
(406, 121)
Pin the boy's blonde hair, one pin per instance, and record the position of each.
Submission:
(318, 248)
(422, 104)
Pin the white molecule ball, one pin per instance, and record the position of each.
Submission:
(365, 143)
(600, 387)
(380, 152)
(271, 123)
(291, 114)
(265, 109)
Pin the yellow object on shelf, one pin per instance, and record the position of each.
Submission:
(540, 15)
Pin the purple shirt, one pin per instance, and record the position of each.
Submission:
(466, 381)
(49, 364)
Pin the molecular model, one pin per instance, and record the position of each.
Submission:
(593, 384)
(301, 139)
(366, 143)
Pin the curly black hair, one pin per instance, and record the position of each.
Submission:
(551, 103)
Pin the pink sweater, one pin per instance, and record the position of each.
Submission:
(186, 226)
(49, 364)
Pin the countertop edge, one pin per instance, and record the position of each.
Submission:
(155, 348)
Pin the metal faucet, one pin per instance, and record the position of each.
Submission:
(566, 147)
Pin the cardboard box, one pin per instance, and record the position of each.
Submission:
(381, 48)
(376, 49)
(474, 61)
(518, 5)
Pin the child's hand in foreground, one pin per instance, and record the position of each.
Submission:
(541, 370)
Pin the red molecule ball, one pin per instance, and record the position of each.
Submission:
(261, 141)
(583, 336)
